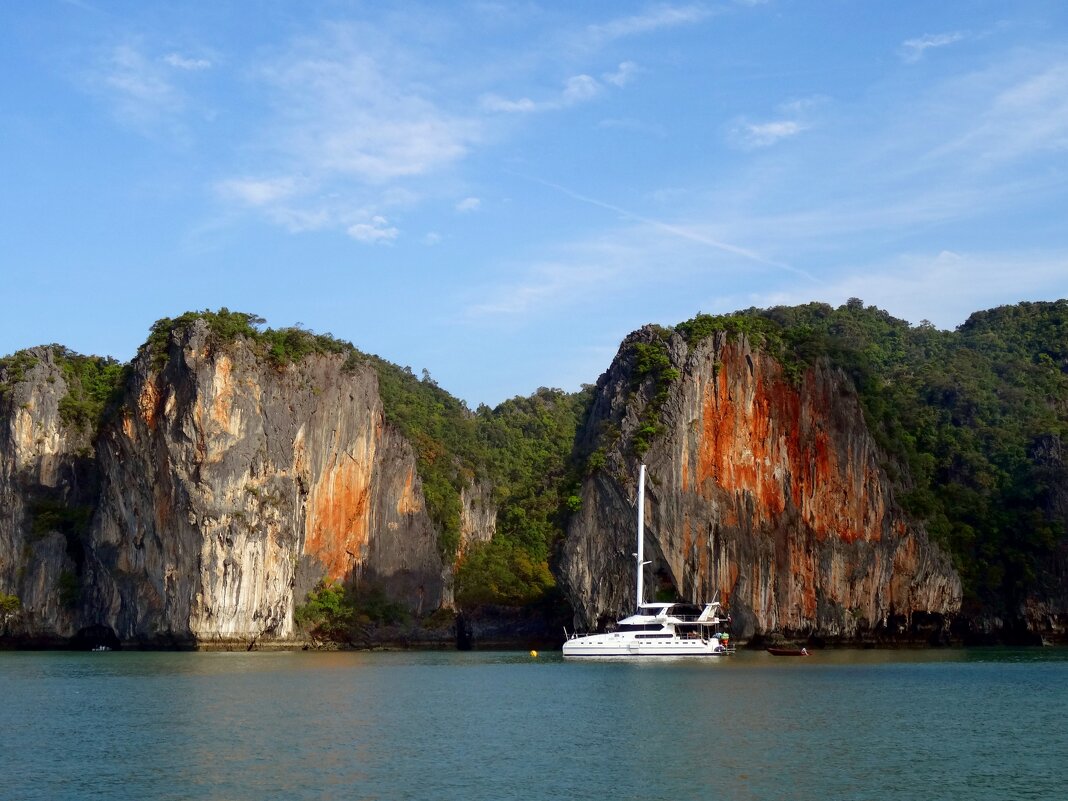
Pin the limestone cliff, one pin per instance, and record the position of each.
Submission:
(47, 485)
(229, 485)
(766, 492)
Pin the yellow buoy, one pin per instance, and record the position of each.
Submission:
(534, 654)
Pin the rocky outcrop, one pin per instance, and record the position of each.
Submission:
(47, 488)
(768, 493)
(228, 487)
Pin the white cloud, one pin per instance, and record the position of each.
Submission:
(432, 238)
(145, 91)
(802, 105)
(912, 50)
(376, 231)
(623, 74)
(345, 110)
(524, 105)
(657, 19)
(577, 89)
(141, 93)
(796, 116)
(764, 134)
(468, 204)
(181, 62)
(257, 192)
(547, 285)
(615, 263)
(1028, 115)
(356, 120)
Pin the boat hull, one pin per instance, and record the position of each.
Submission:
(614, 645)
(788, 651)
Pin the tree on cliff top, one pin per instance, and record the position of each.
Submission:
(280, 346)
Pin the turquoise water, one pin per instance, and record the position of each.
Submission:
(838, 725)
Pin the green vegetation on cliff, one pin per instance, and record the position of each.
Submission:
(343, 613)
(281, 346)
(13, 369)
(522, 449)
(527, 445)
(94, 383)
(973, 424)
(652, 366)
(444, 434)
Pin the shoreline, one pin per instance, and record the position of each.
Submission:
(756, 644)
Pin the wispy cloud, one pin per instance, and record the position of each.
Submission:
(355, 121)
(795, 117)
(886, 181)
(1027, 114)
(681, 231)
(180, 62)
(623, 75)
(547, 285)
(468, 204)
(257, 191)
(765, 134)
(577, 89)
(657, 19)
(375, 231)
(348, 114)
(912, 50)
(358, 110)
(137, 86)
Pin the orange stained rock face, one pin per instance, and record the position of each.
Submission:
(339, 516)
(906, 555)
(223, 391)
(731, 581)
(737, 450)
(755, 433)
(148, 403)
(408, 503)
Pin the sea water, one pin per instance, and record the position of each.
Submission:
(881, 725)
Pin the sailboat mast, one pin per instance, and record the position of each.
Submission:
(641, 535)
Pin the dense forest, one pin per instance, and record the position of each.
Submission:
(972, 424)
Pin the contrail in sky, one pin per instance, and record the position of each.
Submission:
(683, 233)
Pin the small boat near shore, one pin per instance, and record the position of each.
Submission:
(788, 651)
(657, 629)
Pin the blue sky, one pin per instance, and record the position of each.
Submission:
(499, 192)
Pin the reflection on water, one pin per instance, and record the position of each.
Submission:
(446, 725)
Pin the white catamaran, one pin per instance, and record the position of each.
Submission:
(657, 629)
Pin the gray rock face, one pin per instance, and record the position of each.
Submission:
(769, 494)
(228, 488)
(46, 473)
